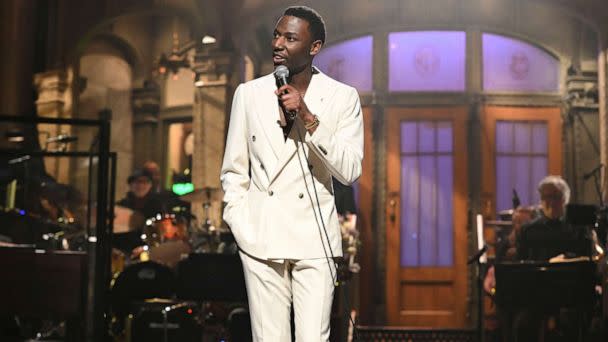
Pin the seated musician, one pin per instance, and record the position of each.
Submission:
(170, 201)
(161, 225)
(140, 197)
(548, 235)
(542, 239)
(142, 200)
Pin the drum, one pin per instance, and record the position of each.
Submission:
(165, 320)
(138, 282)
(142, 281)
(166, 239)
(165, 227)
(169, 253)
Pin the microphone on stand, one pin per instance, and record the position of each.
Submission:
(62, 138)
(62, 141)
(592, 172)
(281, 74)
(478, 255)
(515, 200)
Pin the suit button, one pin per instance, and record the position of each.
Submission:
(270, 193)
(253, 137)
(300, 195)
(262, 166)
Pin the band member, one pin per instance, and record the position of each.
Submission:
(141, 197)
(146, 204)
(169, 200)
(277, 178)
(547, 237)
(154, 170)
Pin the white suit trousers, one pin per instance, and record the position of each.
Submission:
(271, 287)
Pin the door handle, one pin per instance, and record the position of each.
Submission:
(392, 203)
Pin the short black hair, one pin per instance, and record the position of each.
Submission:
(315, 21)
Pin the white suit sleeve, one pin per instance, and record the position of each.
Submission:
(234, 175)
(341, 150)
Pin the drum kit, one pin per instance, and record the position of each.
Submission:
(149, 272)
(166, 238)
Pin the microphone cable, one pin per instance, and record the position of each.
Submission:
(336, 282)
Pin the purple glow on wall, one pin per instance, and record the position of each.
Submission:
(427, 61)
(349, 62)
(514, 65)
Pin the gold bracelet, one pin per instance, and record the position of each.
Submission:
(313, 124)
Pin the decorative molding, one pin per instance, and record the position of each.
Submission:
(145, 102)
(54, 92)
(213, 66)
(582, 91)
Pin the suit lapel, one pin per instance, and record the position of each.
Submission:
(316, 101)
(268, 114)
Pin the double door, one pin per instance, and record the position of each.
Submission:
(427, 200)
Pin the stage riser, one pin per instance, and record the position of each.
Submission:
(391, 334)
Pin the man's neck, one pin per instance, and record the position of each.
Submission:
(301, 80)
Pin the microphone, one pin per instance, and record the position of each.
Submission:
(515, 200)
(281, 73)
(19, 160)
(477, 255)
(592, 172)
(62, 138)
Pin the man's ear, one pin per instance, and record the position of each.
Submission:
(315, 47)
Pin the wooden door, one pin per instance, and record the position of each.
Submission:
(520, 146)
(426, 211)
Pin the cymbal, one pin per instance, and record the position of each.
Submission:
(126, 220)
(206, 194)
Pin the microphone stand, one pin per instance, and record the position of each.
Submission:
(476, 259)
(596, 181)
(598, 188)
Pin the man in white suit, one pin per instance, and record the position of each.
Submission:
(277, 178)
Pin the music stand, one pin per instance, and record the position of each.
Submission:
(547, 287)
(543, 285)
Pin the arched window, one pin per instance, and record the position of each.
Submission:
(516, 66)
(349, 62)
(427, 61)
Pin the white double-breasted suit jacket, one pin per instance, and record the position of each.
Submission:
(269, 196)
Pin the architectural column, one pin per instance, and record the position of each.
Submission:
(145, 102)
(54, 100)
(580, 113)
(603, 117)
(18, 34)
(210, 122)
